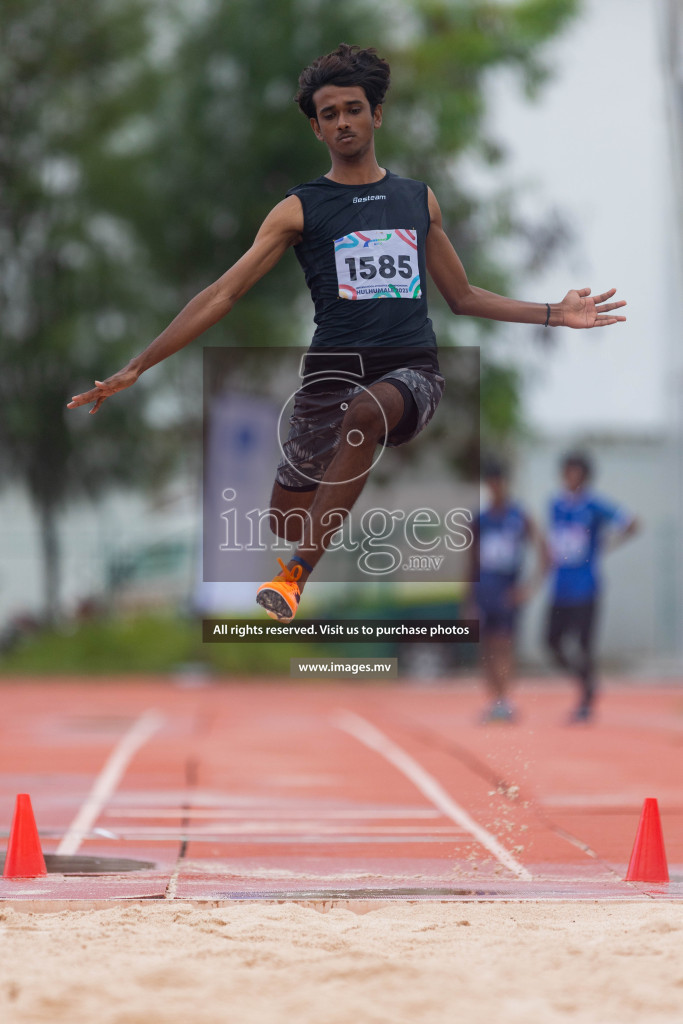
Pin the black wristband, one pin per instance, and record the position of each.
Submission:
(547, 318)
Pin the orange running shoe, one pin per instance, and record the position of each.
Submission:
(280, 597)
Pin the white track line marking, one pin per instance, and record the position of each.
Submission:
(108, 779)
(275, 814)
(255, 829)
(371, 737)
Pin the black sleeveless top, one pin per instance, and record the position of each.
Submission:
(363, 255)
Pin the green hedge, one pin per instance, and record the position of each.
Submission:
(144, 644)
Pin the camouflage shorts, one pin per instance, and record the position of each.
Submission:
(316, 422)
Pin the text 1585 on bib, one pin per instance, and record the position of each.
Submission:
(378, 264)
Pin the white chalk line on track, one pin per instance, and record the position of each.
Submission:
(253, 828)
(106, 782)
(274, 814)
(372, 737)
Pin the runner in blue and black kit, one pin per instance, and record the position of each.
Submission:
(503, 532)
(366, 239)
(580, 523)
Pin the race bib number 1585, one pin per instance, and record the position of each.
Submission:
(378, 264)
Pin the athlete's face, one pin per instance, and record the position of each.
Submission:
(573, 476)
(344, 121)
(498, 489)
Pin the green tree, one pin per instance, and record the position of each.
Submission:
(71, 80)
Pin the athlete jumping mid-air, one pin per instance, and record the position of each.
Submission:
(366, 239)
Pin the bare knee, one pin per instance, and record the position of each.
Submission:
(364, 423)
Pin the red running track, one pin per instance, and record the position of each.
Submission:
(259, 791)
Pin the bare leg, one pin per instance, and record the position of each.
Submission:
(290, 510)
(363, 427)
(497, 660)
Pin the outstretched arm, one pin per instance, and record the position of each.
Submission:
(281, 228)
(577, 309)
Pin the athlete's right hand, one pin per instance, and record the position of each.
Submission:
(104, 389)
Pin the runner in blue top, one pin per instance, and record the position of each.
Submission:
(581, 524)
(366, 240)
(503, 532)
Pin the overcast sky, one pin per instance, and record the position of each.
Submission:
(596, 146)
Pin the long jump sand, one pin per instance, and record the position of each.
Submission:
(266, 964)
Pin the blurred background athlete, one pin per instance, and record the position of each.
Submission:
(371, 294)
(503, 534)
(582, 526)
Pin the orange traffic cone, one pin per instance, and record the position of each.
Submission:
(648, 859)
(24, 858)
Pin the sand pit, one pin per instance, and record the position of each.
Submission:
(262, 964)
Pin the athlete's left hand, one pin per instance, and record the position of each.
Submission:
(580, 309)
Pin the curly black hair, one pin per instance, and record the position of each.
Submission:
(347, 65)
